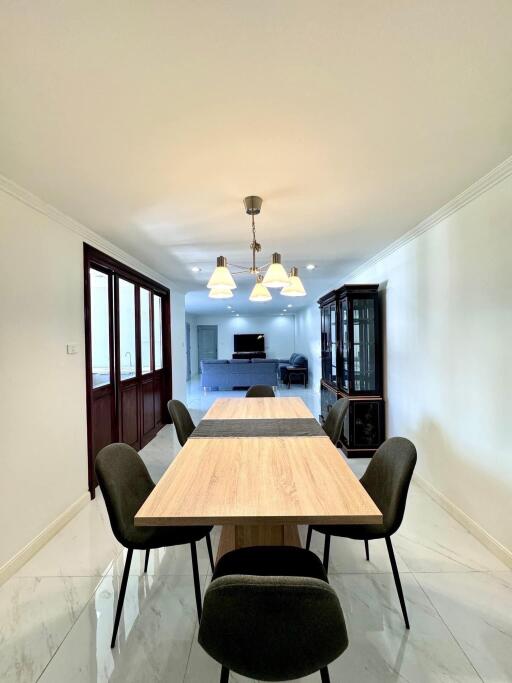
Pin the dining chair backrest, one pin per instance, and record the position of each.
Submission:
(387, 479)
(260, 391)
(295, 626)
(333, 425)
(181, 419)
(125, 484)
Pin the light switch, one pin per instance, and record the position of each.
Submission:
(72, 348)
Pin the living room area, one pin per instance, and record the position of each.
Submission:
(228, 352)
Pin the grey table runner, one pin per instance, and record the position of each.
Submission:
(260, 427)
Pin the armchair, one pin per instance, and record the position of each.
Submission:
(296, 360)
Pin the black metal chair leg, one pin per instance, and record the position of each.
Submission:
(398, 584)
(367, 550)
(210, 551)
(224, 675)
(327, 547)
(308, 539)
(122, 591)
(324, 673)
(197, 585)
(146, 560)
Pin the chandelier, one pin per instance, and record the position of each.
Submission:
(269, 276)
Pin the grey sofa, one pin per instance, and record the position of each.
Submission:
(227, 374)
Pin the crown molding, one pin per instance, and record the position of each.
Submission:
(488, 181)
(21, 194)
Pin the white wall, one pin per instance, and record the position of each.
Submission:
(178, 350)
(42, 402)
(192, 321)
(448, 332)
(307, 341)
(279, 331)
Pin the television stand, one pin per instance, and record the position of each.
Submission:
(247, 355)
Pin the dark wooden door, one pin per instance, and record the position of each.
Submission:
(128, 354)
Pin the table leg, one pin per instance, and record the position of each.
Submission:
(237, 536)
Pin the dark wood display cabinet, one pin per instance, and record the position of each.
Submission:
(351, 346)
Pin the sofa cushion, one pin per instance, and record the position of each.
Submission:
(292, 358)
(299, 361)
(239, 360)
(215, 361)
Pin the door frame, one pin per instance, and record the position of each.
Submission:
(93, 258)
(187, 349)
(207, 327)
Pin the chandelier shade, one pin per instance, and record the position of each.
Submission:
(220, 293)
(294, 286)
(259, 291)
(221, 277)
(276, 275)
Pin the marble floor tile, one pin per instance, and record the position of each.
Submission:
(154, 641)
(175, 560)
(159, 453)
(36, 614)
(86, 546)
(203, 669)
(432, 540)
(477, 607)
(380, 649)
(348, 555)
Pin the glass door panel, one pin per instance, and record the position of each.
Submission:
(145, 331)
(127, 352)
(333, 342)
(365, 376)
(157, 331)
(344, 345)
(325, 369)
(100, 328)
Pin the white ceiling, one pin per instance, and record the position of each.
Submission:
(150, 121)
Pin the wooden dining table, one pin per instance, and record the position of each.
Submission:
(259, 488)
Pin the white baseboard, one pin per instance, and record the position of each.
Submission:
(492, 544)
(22, 556)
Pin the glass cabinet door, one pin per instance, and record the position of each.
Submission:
(364, 318)
(344, 345)
(326, 342)
(333, 342)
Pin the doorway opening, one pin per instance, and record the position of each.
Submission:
(207, 343)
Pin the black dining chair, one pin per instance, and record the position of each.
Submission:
(387, 479)
(181, 420)
(270, 614)
(125, 484)
(260, 391)
(333, 424)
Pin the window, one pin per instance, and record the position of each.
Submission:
(100, 328)
(157, 330)
(127, 353)
(145, 331)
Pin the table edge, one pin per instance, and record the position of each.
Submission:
(141, 521)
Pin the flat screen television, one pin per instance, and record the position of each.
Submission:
(249, 342)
